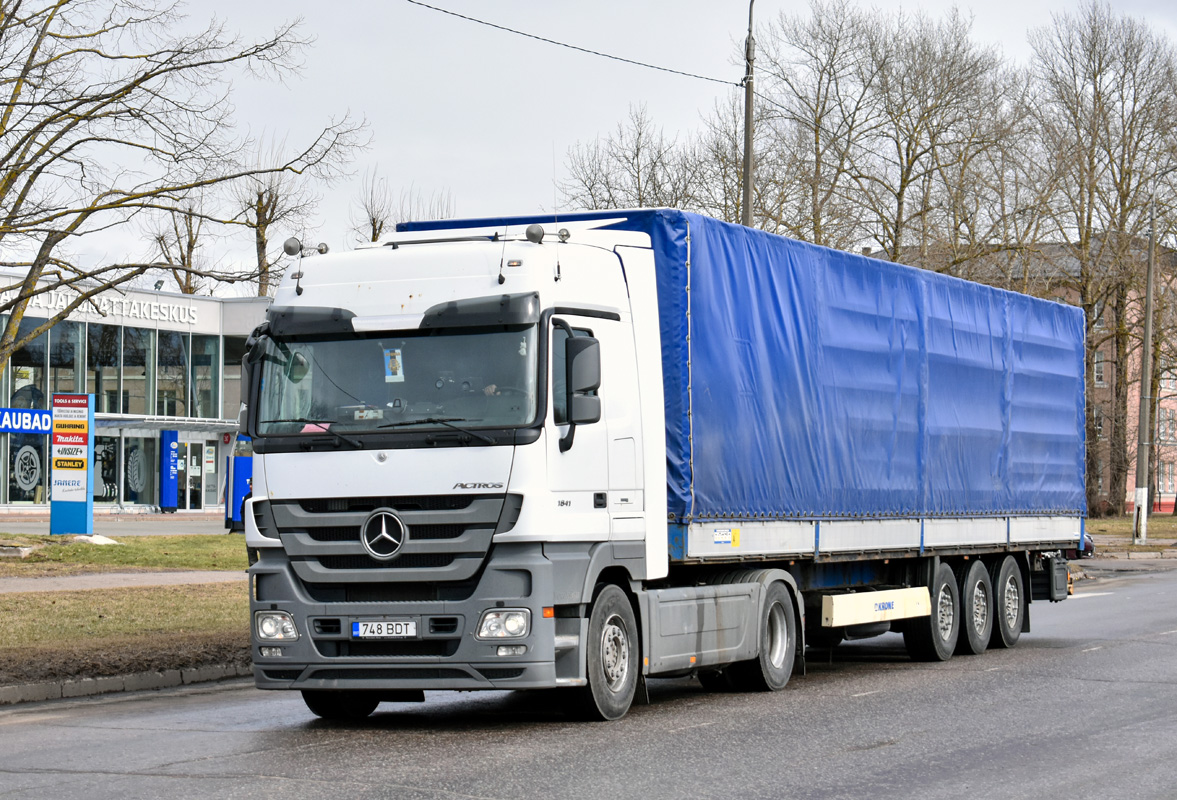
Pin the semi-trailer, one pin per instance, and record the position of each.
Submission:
(578, 452)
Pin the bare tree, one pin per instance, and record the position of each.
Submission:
(929, 77)
(819, 77)
(109, 111)
(272, 207)
(635, 166)
(1106, 118)
(178, 240)
(376, 211)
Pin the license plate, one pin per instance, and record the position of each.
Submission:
(384, 630)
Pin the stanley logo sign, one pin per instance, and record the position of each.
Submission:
(69, 463)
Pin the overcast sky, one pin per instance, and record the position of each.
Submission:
(488, 116)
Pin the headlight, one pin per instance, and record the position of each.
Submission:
(275, 626)
(504, 623)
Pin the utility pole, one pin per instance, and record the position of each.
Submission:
(749, 57)
(1144, 424)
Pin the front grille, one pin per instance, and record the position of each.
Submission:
(441, 502)
(390, 592)
(351, 533)
(423, 560)
(449, 537)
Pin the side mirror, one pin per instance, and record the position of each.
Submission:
(582, 360)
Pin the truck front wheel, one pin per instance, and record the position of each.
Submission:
(339, 705)
(612, 658)
(933, 638)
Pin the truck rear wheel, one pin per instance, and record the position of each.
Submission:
(1009, 601)
(976, 605)
(933, 638)
(339, 705)
(612, 658)
(771, 669)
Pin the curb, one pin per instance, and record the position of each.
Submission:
(139, 681)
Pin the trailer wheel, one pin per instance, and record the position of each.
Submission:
(339, 705)
(1009, 601)
(933, 638)
(612, 658)
(976, 604)
(771, 669)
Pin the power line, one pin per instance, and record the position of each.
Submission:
(572, 46)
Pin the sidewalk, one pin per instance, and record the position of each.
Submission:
(117, 580)
(115, 525)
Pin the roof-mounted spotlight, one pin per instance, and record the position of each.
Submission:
(534, 233)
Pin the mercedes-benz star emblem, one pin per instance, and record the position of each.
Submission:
(383, 534)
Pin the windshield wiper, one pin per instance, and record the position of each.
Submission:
(322, 423)
(446, 421)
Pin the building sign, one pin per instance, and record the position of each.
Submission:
(25, 420)
(71, 491)
(130, 308)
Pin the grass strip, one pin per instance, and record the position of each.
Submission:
(68, 555)
(54, 635)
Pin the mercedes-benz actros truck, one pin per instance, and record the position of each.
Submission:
(575, 453)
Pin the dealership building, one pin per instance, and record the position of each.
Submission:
(155, 362)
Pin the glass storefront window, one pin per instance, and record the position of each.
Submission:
(103, 344)
(65, 357)
(28, 368)
(140, 467)
(206, 374)
(106, 469)
(172, 375)
(233, 391)
(138, 370)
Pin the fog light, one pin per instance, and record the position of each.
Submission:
(507, 649)
(275, 626)
(270, 652)
(504, 623)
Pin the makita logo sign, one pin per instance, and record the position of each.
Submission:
(478, 486)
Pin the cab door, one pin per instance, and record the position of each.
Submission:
(578, 477)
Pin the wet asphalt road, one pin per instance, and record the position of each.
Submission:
(1084, 707)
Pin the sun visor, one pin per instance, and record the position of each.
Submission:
(507, 309)
(308, 321)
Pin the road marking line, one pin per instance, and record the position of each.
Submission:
(1089, 649)
(1091, 594)
(993, 669)
(1165, 633)
(688, 727)
(864, 694)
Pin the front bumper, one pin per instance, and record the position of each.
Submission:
(445, 653)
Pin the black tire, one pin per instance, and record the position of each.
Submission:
(339, 705)
(772, 667)
(1009, 603)
(933, 638)
(612, 658)
(976, 609)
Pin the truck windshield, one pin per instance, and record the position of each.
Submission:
(407, 380)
